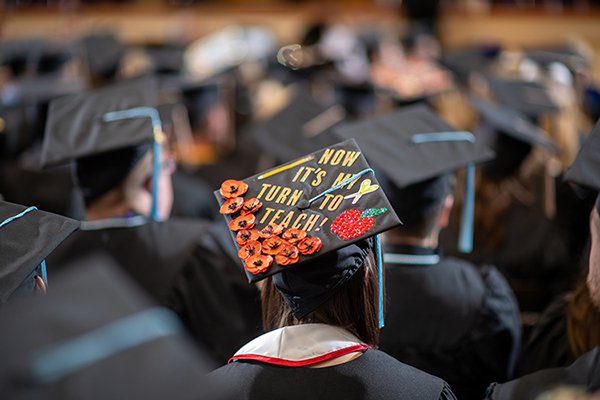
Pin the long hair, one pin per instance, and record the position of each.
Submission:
(583, 322)
(353, 307)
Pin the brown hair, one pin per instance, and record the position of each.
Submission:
(583, 322)
(353, 306)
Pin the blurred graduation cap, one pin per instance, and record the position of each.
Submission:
(107, 131)
(585, 170)
(25, 105)
(20, 56)
(465, 61)
(510, 134)
(96, 336)
(102, 52)
(304, 222)
(417, 151)
(302, 127)
(166, 58)
(529, 98)
(564, 54)
(27, 237)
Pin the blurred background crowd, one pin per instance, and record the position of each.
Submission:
(235, 76)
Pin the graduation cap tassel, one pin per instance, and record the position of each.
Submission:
(159, 137)
(380, 298)
(44, 272)
(465, 238)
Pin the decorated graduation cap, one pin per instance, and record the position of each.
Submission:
(510, 134)
(107, 131)
(417, 151)
(585, 170)
(27, 237)
(529, 98)
(96, 336)
(306, 221)
(302, 127)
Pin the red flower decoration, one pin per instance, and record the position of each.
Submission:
(242, 222)
(253, 247)
(245, 235)
(232, 188)
(310, 245)
(231, 205)
(353, 223)
(270, 231)
(258, 263)
(273, 245)
(294, 235)
(287, 255)
(251, 205)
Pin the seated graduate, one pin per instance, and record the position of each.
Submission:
(528, 223)
(27, 237)
(445, 315)
(570, 326)
(124, 175)
(305, 234)
(95, 335)
(583, 375)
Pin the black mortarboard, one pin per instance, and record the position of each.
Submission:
(415, 150)
(564, 54)
(529, 98)
(510, 134)
(27, 237)
(20, 56)
(26, 104)
(512, 123)
(302, 127)
(465, 61)
(103, 52)
(107, 131)
(95, 336)
(312, 216)
(166, 58)
(585, 170)
(77, 126)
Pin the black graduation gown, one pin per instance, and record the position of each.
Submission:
(374, 375)
(540, 257)
(167, 260)
(584, 372)
(547, 346)
(193, 198)
(450, 319)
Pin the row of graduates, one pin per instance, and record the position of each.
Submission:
(471, 334)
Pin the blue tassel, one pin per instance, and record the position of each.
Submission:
(465, 239)
(379, 280)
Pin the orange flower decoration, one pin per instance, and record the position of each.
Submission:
(242, 222)
(270, 231)
(287, 255)
(258, 263)
(294, 235)
(310, 245)
(232, 205)
(273, 245)
(253, 247)
(245, 235)
(251, 205)
(232, 188)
